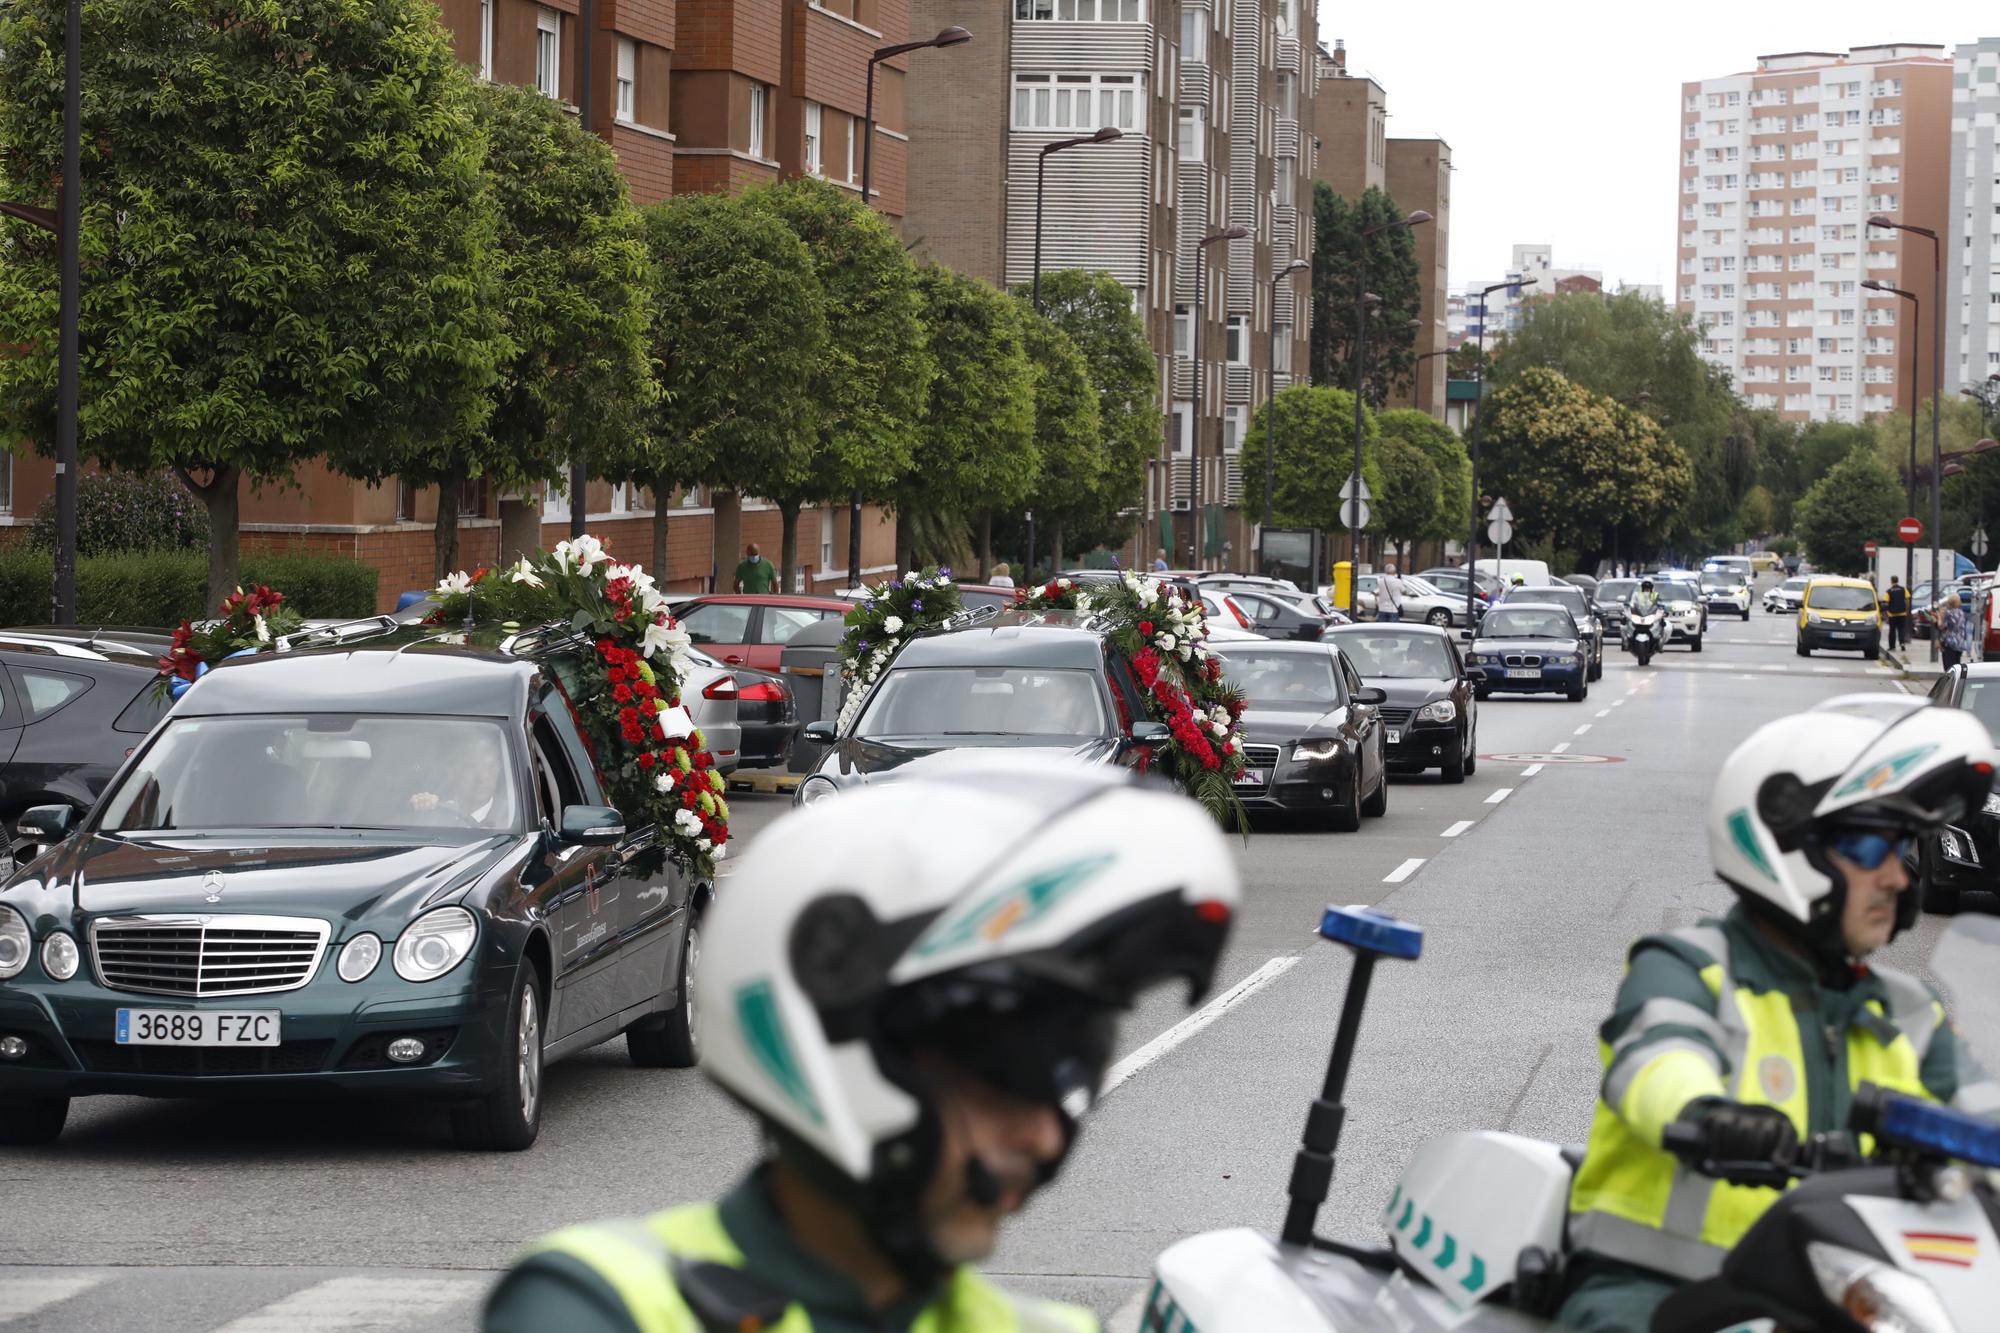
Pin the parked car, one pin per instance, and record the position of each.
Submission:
(1451, 582)
(1045, 680)
(1426, 603)
(359, 870)
(1784, 599)
(752, 629)
(1429, 711)
(1841, 614)
(1277, 619)
(73, 703)
(1764, 562)
(1723, 589)
(1365, 602)
(766, 718)
(1578, 604)
(1965, 854)
(713, 693)
(1247, 583)
(1921, 602)
(1313, 733)
(1530, 648)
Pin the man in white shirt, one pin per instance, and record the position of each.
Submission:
(1388, 594)
(475, 782)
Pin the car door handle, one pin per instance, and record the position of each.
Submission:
(733, 660)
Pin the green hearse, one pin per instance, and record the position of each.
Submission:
(387, 868)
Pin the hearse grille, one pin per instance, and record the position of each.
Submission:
(201, 957)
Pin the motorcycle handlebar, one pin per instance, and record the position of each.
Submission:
(1822, 1152)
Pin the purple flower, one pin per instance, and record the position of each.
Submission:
(861, 647)
(945, 572)
(916, 605)
(896, 584)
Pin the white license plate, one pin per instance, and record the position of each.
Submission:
(1524, 673)
(1395, 736)
(197, 1027)
(1251, 777)
(1843, 634)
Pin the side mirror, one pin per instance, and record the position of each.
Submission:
(591, 825)
(1371, 694)
(821, 732)
(46, 823)
(1151, 733)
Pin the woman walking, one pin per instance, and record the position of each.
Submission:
(1954, 631)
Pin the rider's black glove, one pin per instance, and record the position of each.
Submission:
(1738, 1133)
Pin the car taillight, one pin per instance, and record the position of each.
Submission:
(1236, 611)
(724, 688)
(761, 691)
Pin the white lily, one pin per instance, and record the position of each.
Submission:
(263, 630)
(453, 584)
(524, 573)
(580, 554)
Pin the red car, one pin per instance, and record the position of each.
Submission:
(752, 629)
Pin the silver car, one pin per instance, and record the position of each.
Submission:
(710, 695)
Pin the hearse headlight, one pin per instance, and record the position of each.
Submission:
(15, 943)
(359, 956)
(435, 943)
(60, 957)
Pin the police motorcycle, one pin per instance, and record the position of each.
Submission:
(1646, 632)
(1905, 1239)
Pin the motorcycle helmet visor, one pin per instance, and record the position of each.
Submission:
(1867, 848)
(1035, 1043)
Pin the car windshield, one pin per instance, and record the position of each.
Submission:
(1982, 700)
(1839, 597)
(1792, 585)
(1676, 592)
(1392, 656)
(1421, 587)
(1720, 578)
(1616, 590)
(1061, 704)
(1526, 623)
(1273, 679)
(1572, 598)
(320, 770)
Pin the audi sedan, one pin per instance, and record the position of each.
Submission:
(1312, 732)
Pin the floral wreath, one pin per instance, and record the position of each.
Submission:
(626, 695)
(247, 622)
(882, 621)
(1162, 633)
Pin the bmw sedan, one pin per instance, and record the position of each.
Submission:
(1530, 648)
(1429, 709)
(1312, 732)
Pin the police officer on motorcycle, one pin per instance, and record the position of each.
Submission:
(914, 988)
(1758, 1027)
(1645, 601)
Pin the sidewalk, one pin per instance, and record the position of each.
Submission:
(1915, 662)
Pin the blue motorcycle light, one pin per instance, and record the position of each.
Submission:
(1376, 932)
(1940, 1129)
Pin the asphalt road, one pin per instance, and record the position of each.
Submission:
(1530, 880)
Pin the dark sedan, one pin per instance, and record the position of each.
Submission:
(1313, 733)
(1965, 855)
(377, 872)
(1430, 714)
(1581, 610)
(1530, 648)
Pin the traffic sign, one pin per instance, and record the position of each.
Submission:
(1499, 532)
(1500, 512)
(1347, 492)
(1908, 531)
(1868, 548)
(1979, 541)
(1347, 518)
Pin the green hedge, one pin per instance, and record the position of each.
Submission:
(161, 588)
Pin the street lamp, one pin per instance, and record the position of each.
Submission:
(952, 36)
(1910, 491)
(1416, 219)
(1108, 134)
(1478, 414)
(1200, 251)
(1271, 402)
(1937, 377)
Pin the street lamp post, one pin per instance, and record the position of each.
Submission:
(1416, 219)
(952, 36)
(1478, 414)
(1910, 490)
(1271, 403)
(1108, 134)
(1937, 384)
(1195, 514)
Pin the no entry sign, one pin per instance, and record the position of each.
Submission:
(1868, 548)
(1909, 530)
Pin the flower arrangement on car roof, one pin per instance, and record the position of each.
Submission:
(883, 620)
(625, 694)
(1162, 633)
(246, 622)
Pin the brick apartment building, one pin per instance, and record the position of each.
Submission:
(691, 95)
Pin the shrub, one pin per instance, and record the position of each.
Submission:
(124, 511)
(159, 589)
(320, 586)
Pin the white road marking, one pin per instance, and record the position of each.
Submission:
(1559, 749)
(1128, 1315)
(349, 1304)
(1604, 712)
(1581, 730)
(1458, 828)
(1272, 969)
(1826, 671)
(23, 1296)
(1499, 796)
(1617, 703)
(1403, 871)
(1774, 666)
(1531, 770)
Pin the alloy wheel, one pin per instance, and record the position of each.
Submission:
(528, 1055)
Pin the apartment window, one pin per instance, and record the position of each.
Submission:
(486, 39)
(759, 101)
(1238, 341)
(1194, 36)
(1287, 180)
(628, 79)
(6, 483)
(1183, 331)
(1194, 136)
(1234, 418)
(1079, 102)
(814, 142)
(1281, 350)
(548, 52)
(1078, 11)
(853, 150)
(1288, 95)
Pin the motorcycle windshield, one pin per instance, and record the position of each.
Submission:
(1965, 962)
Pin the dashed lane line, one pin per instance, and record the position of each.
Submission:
(1559, 749)
(350, 1304)
(1604, 712)
(1403, 871)
(1499, 796)
(1272, 969)
(1531, 770)
(1581, 730)
(1458, 828)
(1617, 703)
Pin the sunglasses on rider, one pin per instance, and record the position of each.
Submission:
(1868, 850)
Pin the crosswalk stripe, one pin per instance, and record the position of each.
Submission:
(23, 1296)
(357, 1304)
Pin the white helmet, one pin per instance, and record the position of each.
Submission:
(1000, 907)
(1796, 783)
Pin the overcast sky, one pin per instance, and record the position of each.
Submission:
(1563, 117)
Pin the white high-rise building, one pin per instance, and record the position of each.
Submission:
(1972, 319)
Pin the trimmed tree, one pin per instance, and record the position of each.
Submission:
(573, 282)
(1069, 454)
(1857, 501)
(1447, 454)
(1406, 508)
(1392, 275)
(1314, 457)
(739, 331)
(285, 239)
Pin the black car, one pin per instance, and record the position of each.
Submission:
(1430, 713)
(767, 714)
(1530, 648)
(1276, 618)
(354, 870)
(1312, 733)
(73, 703)
(1966, 855)
(1042, 680)
(1581, 609)
(1612, 597)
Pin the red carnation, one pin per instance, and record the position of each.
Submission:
(690, 797)
(647, 759)
(703, 759)
(1146, 628)
(622, 693)
(606, 647)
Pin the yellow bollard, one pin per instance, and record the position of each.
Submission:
(1343, 584)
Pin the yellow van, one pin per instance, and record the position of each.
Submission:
(1842, 614)
(1764, 562)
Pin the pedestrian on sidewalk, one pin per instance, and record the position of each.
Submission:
(1160, 560)
(1388, 594)
(1002, 575)
(1954, 631)
(755, 573)
(1896, 611)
